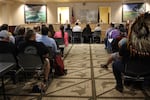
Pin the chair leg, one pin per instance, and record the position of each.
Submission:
(14, 77)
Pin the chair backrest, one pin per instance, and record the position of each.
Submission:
(51, 53)
(69, 32)
(29, 61)
(77, 34)
(60, 42)
(138, 66)
(7, 57)
(97, 33)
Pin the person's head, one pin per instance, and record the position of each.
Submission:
(21, 31)
(30, 35)
(16, 29)
(122, 28)
(77, 23)
(37, 28)
(4, 36)
(66, 22)
(122, 42)
(61, 27)
(4, 27)
(98, 24)
(68, 26)
(87, 25)
(112, 25)
(121, 25)
(51, 29)
(44, 30)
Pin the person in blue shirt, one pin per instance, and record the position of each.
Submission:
(31, 46)
(47, 41)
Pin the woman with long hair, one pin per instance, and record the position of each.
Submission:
(61, 34)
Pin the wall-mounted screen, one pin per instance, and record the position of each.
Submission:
(132, 10)
(35, 13)
(87, 15)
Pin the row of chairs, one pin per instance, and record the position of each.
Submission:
(77, 37)
(9, 58)
(27, 65)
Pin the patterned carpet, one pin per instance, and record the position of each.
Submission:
(85, 79)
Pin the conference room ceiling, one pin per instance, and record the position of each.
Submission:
(59, 1)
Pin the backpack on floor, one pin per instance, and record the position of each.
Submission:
(59, 65)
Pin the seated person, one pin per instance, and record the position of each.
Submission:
(118, 58)
(4, 28)
(112, 37)
(86, 34)
(41, 49)
(111, 27)
(115, 56)
(96, 35)
(69, 31)
(47, 41)
(139, 45)
(8, 47)
(20, 35)
(77, 28)
(97, 28)
(62, 34)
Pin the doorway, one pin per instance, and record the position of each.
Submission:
(105, 13)
(63, 14)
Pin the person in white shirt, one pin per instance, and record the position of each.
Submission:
(77, 28)
(5, 29)
(97, 28)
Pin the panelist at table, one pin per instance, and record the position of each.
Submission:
(86, 34)
(77, 28)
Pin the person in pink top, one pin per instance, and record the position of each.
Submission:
(62, 34)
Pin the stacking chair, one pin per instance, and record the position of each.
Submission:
(96, 37)
(10, 58)
(77, 37)
(137, 69)
(7, 57)
(31, 63)
(51, 54)
(60, 42)
(51, 59)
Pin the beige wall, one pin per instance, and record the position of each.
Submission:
(51, 13)
(116, 13)
(17, 15)
(13, 14)
(3, 15)
(148, 5)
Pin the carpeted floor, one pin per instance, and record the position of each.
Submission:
(85, 79)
